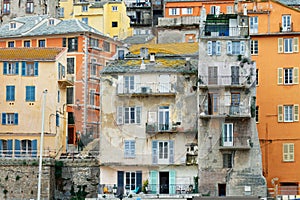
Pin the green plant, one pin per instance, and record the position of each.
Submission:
(145, 186)
(18, 177)
(6, 178)
(5, 191)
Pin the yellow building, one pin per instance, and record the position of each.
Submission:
(109, 17)
(26, 73)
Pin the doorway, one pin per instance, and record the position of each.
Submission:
(164, 182)
(222, 189)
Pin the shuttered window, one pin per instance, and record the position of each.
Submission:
(288, 113)
(129, 149)
(288, 76)
(288, 152)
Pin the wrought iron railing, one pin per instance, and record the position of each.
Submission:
(226, 80)
(171, 189)
(155, 127)
(224, 30)
(236, 141)
(147, 88)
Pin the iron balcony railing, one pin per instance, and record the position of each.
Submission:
(171, 189)
(147, 88)
(235, 142)
(226, 80)
(25, 153)
(224, 30)
(155, 127)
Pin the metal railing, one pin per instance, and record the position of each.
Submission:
(171, 189)
(25, 154)
(157, 127)
(147, 88)
(224, 30)
(225, 80)
(236, 142)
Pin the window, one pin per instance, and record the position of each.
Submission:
(11, 44)
(214, 48)
(10, 93)
(57, 121)
(129, 115)
(70, 95)
(94, 42)
(85, 20)
(129, 149)
(187, 11)
(6, 7)
(70, 65)
(114, 8)
(9, 118)
(58, 96)
(257, 114)
(162, 152)
(174, 11)
(10, 68)
(215, 10)
(114, 24)
(71, 43)
(29, 68)
(257, 76)
(29, 6)
(227, 160)
(92, 97)
(128, 84)
(61, 12)
(6, 148)
(61, 71)
(93, 67)
(286, 23)
(236, 47)
(84, 8)
(288, 45)
(254, 47)
(227, 134)
(28, 147)
(288, 152)
(229, 10)
(288, 76)
(106, 46)
(288, 113)
(253, 24)
(27, 43)
(130, 180)
(164, 118)
(42, 43)
(30, 93)
(13, 25)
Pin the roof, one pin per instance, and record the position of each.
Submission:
(29, 54)
(38, 26)
(290, 2)
(138, 39)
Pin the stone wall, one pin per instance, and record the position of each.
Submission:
(60, 179)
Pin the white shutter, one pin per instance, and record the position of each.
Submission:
(170, 11)
(218, 48)
(280, 45)
(209, 48)
(296, 75)
(120, 85)
(120, 115)
(229, 47)
(280, 76)
(137, 84)
(296, 44)
(242, 47)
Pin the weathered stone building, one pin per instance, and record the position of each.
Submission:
(229, 152)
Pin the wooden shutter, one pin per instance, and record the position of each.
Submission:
(296, 112)
(296, 44)
(17, 148)
(209, 48)
(16, 118)
(138, 113)
(137, 84)
(17, 67)
(242, 47)
(120, 85)
(5, 68)
(36, 68)
(229, 47)
(288, 152)
(34, 148)
(3, 118)
(291, 152)
(139, 179)
(280, 45)
(126, 149)
(120, 115)
(172, 181)
(280, 76)
(171, 152)
(10, 147)
(153, 181)
(218, 48)
(132, 148)
(280, 113)
(154, 152)
(296, 75)
(121, 179)
(23, 68)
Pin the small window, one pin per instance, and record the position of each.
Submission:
(70, 65)
(42, 43)
(30, 93)
(92, 97)
(6, 7)
(174, 11)
(27, 43)
(254, 47)
(93, 67)
(84, 8)
(114, 8)
(9, 118)
(288, 152)
(13, 25)
(29, 68)
(11, 68)
(11, 44)
(106, 46)
(29, 6)
(129, 148)
(257, 114)
(288, 45)
(227, 160)
(257, 76)
(70, 95)
(85, 20)
(114, 24)
(51, 21)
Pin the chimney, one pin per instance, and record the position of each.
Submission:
(152, 57)
(188, 63)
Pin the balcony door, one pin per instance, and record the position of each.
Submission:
(227, 135)
(286, 23)
(213, 103)
(164, 118)
(213, 75)
(235, 72)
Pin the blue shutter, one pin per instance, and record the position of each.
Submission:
(139, 179)
(17, 67)
(218, 48)
(58, 96)
(153, 182)
(17, 148)
(16, 119)
(12, 93)
(33, 93)
(132, 149)
(229, 47)
(172, 178)
(126, 149)
(154, 152)
(120, 179)
(7, 93)
(36, 68)
(34, 148)
(57, 119)
(209, 48)
(1, 148)
(27, 93)
(5, 68)
(23, 68)
(171, 152)
(3, 118)
(9, 147)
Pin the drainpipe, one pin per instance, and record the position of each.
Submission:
(85, 84)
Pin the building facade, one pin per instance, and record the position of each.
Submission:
(88, 50)
(32, 81)
(148, 123)
(229, 150)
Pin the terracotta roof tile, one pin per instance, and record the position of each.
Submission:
(36, 54)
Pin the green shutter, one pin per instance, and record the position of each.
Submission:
(280, 113)
(172, 181)
(280, 45)
(280, 76)
(296, 112)
(296, 75)
(296, 44)
(153, 182)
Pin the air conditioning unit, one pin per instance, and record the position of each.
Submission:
(145, 90)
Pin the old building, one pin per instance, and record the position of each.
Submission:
(148, 127)
(88, 50)
(11, 8)
(229, 150)
(27, 75)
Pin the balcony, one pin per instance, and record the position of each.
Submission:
(66, 81)
(147, 89)
(287, 28)
(179, 21)
(234, 142)
(140, 22)
(223, 30)
(130, 6)
(156, 127)
(227, 81)
(214, 106)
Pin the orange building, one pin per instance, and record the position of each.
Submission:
(88, 52)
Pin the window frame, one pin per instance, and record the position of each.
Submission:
(10, 118)
(129, 149)
(227, 160)
(11, 44)
(114, 8)
(42, 43)
(287, 45)
(6, 7)
(10, 68)
(10, 93)
(253, 24)
(29, 6)
(254, 47)
(30, 93)
(288, 152)
(84, 8)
